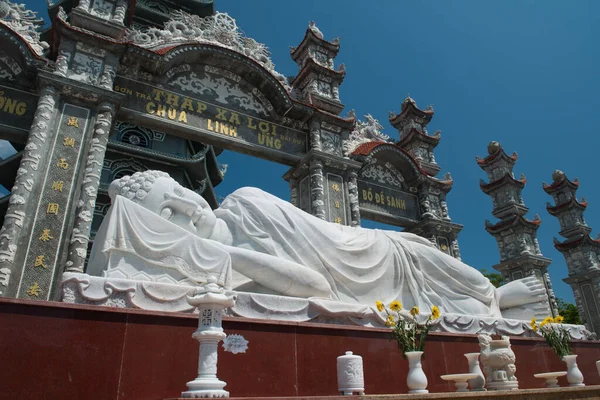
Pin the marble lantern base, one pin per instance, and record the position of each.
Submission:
(77, 288)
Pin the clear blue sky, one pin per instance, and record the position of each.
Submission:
(521, 72)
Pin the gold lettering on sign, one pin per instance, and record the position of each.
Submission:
(52, 208)
(73, 121)
(34, 290)
(338, 220)
(11, 106)
(62, 163)
(58, 185)
(69, 142)
(221, 127)
(335, 187)
(46, 235)
(337, 204)
(39, 262)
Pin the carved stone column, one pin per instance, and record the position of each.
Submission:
(211, 300)
(353, 199)
(65, 52)
(120, 11)
(315, 135)
(91, 180)
(294, 192)
(28, 178)
(317, 192)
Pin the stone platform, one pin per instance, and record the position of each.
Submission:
(66, 351)
(567, 393)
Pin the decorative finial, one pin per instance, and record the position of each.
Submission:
(522, 177)
(536, 217)
(392, 115)
(447, 176)
(313, 27)
(493, 147)
(558, 175)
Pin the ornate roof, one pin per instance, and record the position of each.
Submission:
(408, 111)
(513, 221)
(577, 242)
(560, 181)
(24, 23)
(572, 202)
(418, 135)
(314, 35)
(371, 147)
(507, 179)
(219, 29)
(495, 154)
(312, 65)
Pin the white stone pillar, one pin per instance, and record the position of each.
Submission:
(211, 299)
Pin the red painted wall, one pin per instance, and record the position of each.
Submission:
(59, 351)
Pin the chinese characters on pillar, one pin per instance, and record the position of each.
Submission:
(335, 199)
(52, 217)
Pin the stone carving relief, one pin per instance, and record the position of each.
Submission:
(154, 5)
(103, 9)
(25, 23)
(378, 173)
(9, 69)
(330, 142)
(367, 131)
(225, 89)
(219, 29)
(85, 67)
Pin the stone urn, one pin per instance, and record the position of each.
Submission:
(498, 361)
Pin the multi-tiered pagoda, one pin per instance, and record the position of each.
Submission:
(411, 124)
(520, 253)
(578, 248)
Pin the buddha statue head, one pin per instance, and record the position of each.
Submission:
(162, 195)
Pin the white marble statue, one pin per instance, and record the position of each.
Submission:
(255, 242)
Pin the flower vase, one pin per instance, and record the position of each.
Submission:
(477, 384)
(416, 379)
(574, 375)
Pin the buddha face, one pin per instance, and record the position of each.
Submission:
(181, 206)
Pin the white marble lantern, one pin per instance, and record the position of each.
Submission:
(211, 299)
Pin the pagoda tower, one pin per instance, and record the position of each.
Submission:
(317, 82)
(436, 224)
(324, 181)
(520, 253)
(578, 248)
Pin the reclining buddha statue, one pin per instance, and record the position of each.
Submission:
(257, 243)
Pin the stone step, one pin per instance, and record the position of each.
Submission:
(563, 393)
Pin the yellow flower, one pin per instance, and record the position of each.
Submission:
(559, 319)
(379, 306)
(395, 306)
(547, 320)
(533, 325)
(414, 311)
(435, 312)
(390, 321)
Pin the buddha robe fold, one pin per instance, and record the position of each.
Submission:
(361, 265)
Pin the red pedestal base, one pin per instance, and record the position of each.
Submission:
(54, 350)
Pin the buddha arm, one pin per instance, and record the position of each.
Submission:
(284, 276)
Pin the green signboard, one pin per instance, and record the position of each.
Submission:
(16, 108)
(224, 125)
(387, 201)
